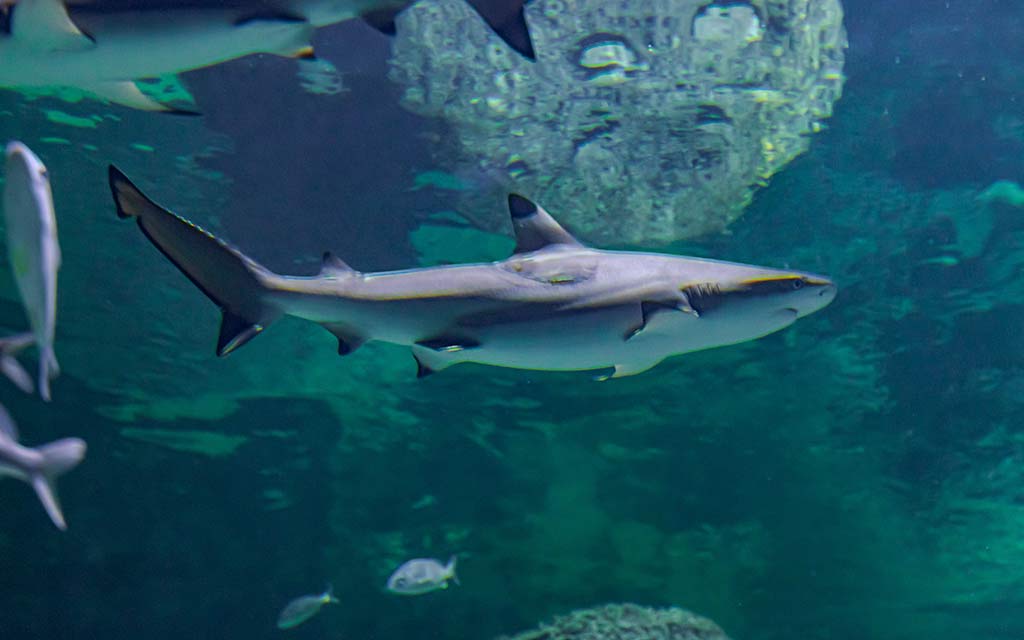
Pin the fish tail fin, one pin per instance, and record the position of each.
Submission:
(58, 458)
(232, 280)
(450, 569)
(48, 370)
(329, 594)
(10, 347)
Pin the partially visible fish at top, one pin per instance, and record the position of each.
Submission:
(303, 608)
(34, 252)
(422, 575)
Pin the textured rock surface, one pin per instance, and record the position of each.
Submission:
(640, 122)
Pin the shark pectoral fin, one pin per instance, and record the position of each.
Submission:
(630, 369)
(535, 228)
(348, 341)
(126, 93)
(439, 353)
(652, 312)
(45, 25)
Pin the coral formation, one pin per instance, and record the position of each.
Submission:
(626, 622)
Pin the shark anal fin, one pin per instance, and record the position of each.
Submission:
(348, 341)
(46, 26)
(534, 227)
(235, 331)
(629, 369)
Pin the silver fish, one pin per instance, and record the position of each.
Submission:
(33, 251)
(422, 575)
(553, 305)
(303, 608)
(38, 466)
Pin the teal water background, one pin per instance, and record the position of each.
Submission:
(858, 475)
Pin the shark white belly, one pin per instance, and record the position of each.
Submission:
(553, 305)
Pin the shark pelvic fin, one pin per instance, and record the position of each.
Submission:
(348, 341)
(235, 331)
(438, 354)
(535, 228)
(45, 25)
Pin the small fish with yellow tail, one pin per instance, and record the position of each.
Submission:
(303, 608)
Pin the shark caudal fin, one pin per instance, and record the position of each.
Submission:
(57, 458)
(231, 280)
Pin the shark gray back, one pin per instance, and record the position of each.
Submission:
(553, 305)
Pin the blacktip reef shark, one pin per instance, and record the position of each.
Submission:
(38, 466)
(34, 254)
(46, 46)
(554, 304)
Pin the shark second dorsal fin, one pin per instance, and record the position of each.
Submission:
(334, 266)
(45, 25)
(534, 228)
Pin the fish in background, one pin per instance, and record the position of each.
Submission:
(422, 575)
(303, 608)
(103, 49)
(34, 254)
(38, 466)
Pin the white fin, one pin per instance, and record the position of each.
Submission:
(126, 93)
(9, 365)
(45, 25)
(58, 457)
(8, 430)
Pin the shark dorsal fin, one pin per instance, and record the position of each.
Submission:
(45, 25)
(332, 265)
(534, 227)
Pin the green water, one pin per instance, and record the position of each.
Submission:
(857, 475)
